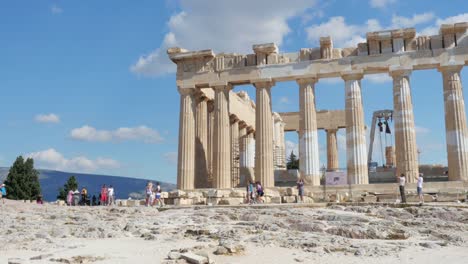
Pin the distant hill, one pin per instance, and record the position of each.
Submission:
(124, 187)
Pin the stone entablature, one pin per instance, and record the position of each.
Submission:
(382, 50)
(326, 119)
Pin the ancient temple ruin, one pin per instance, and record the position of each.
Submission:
(225, 138)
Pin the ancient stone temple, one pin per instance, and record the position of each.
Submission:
(226, 139)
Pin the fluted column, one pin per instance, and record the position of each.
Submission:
(455, 123)
(332, 150)
(186, 151)
(242, 152)
(222, 139)
(405, 134)
(356, 155)
(308, 139)
(235, 175)
(249, 170)
(201, 141)
(264, 135)
(210, 107)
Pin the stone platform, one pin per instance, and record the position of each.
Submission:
(368, 193)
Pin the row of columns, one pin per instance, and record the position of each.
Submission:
(233, 142)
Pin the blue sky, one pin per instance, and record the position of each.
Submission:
(85, 86)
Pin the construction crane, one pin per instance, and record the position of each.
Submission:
(377, 118)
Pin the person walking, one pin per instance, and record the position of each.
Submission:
(420, 188)
(104, 195)
(260, 192)
(149, 193)
(402, 188)
(110, 195)
(300, 189)
(70, 198)
(3, 193)
(158, 200)
(84, 196)
(76, 197)
(252, 192)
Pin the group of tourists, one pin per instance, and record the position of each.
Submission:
(419, 188)
(153, 195)
(106, 197)
(255, 192)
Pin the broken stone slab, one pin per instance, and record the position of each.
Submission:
(230, 201)
(289, 199)
(177, 194)
(133, 203)
(174, 255)
(183, 201)
(238, 193)
(194, 258)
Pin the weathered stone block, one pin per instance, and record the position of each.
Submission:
(164, 195)
(449, 197)
(291, 191)
(177, 194)
(194, 194)
(436, 42)
(121, 202)
(272, 192)
(369, 199)
(398, 45)
(236, 193)
(461, 34)
(362, 49)
(230, 201)
(289, 199)
(275, 200)
(193, 258)
(133, 203)
(183, 201)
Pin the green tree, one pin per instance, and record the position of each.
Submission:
(293, 162)
(22, 182)
(71, 184)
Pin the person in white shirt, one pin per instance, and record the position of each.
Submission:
(402, 188)
(110, 195)
(419, 188)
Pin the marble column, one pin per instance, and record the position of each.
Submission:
(405, 134)
(186, 151)
(201, 141)
(455, 123)
(222, 139)
(264, 135)
(242, 152)
(235, 175)
(356, 155)
(249, 170)
(332, 150)
(210, 107)
(309, 166)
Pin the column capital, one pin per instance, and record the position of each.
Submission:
(263, 83)
(307, 80)
(448, 68)
(331, 130)
(186, 90)
(250, 130)
(400, 71)
(220, 86)
(201, 96)
(242, 124)
(352, 75)
(233, 118)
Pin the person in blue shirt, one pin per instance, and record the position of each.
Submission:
(2, 192)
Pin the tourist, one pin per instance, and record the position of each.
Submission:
(84, 196)
(260, 192)
(104, 195)
(70, 198)
(149, 193)
(76, 197)
(402, 188)
(252, 191)
(2, 192)
(94, 202)
(158, 199)
(110, 195)
(300, 189)
(419, 188)
(39, 199)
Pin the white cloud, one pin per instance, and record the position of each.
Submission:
(226, 26)
(416, 19)
(284, 100)
(47, 118)
(434, 29)
(170, 157)
(56, 9)
(380, 3)
(291, 146)
(140, 133)
(52, 159)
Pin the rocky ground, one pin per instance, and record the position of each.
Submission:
(273, 234)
